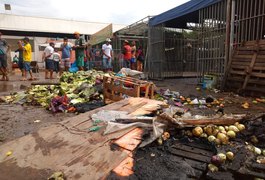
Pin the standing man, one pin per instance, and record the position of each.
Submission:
(133, 59)
(107, 55)
(3, 58)
(48, 58)
(127, 54)
(66, 49)
(20, 58)
(26, 58)
(79, 51)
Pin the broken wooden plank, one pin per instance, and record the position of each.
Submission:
(254, 174)
(190, 155)
(242, 57)
(216, 121)
(242, 67)
(238, 72)
(249, 70)
(128, 142)
(193, 150)
(70, 147)
(257, 166)
(260, 75)
(133, 120)
(45, 83)
(235, 79)
(220, 176)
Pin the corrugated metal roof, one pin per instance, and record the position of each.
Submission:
(185, 9)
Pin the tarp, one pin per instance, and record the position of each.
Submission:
(101, 35)
(189, 10)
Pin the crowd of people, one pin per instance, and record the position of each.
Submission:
(86, 57)
(132, 57)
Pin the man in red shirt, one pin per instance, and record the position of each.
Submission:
(127, 54)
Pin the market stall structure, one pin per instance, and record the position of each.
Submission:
(215, 31)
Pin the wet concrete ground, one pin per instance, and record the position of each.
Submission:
(14, 84)
(19, 120)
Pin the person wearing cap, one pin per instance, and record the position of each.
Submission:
(127, 54)
(26, 58)
(107, 55)
(48, 58)
(66, 49)
(3, 58)
(79, 48)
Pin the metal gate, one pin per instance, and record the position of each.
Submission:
(249, 17)
(171, 53)
(212, 36)
(155, 51)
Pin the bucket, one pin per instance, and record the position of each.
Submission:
(204, 85)
(209, 81)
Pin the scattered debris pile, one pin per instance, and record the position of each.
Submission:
(181, 143)
(74, 92)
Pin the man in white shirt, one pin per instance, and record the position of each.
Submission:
(107, 55)
(48, 58)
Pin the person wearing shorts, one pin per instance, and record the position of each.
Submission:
(56, 60)
(79, 51)
(3, 58)
(127, 54)
(66, 49)
(26, 58)
(107, 55)
(49, 63)
(133, 59)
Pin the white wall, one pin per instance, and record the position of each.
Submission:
(39, 24)
(37, 54)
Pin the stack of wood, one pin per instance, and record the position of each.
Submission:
(117, 88)
(246, 72)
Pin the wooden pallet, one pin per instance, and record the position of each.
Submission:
(117, 88)
(247, 69)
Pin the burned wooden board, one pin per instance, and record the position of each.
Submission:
(69, 147)
(196, 154)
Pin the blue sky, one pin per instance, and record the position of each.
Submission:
(115, 11)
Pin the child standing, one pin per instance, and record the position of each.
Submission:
(57, 61)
